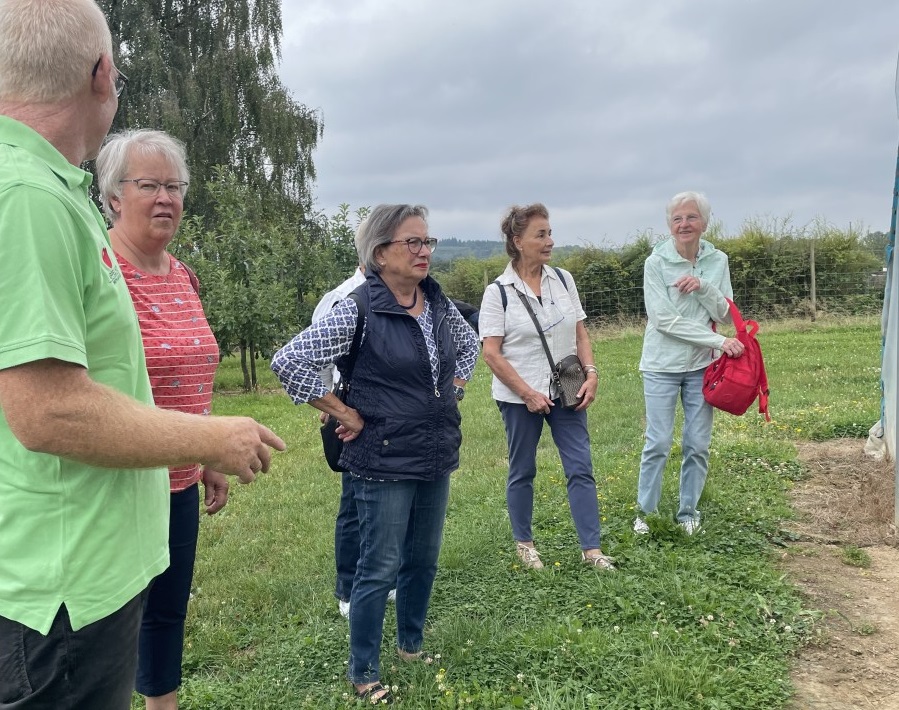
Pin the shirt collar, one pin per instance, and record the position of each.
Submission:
(17, 134)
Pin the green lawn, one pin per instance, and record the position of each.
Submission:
(701, 622)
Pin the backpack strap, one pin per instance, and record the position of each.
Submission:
(194, 281)
(502, 289)
(561, 277)
(357, 337)
(502, 294)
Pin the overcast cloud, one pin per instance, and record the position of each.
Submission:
(602, 110)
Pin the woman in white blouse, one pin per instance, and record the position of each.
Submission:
(521, 378)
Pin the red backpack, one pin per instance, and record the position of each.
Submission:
(732, 384)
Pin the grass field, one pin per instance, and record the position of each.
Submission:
(701, 622)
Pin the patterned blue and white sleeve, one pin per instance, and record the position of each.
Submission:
(466, 341)
(299, 363)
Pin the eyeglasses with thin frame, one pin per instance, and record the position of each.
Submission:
(121, 81)
(689, 219)
(150, 188)
(415, 244)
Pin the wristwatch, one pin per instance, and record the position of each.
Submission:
(459, 392)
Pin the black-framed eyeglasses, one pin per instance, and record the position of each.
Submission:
(121, 81)
(150, 188)
(415, 244)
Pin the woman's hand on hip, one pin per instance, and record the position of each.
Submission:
(537, 402)
(349, 425)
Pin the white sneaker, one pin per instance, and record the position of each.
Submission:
(640, 527)
(344, 608)
(529, 556)
(391, 596)
(690, 526)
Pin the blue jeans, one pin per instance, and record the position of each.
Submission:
(346, 539)
(161, 643)
(401, 528)
(660, 390)
(569, 432)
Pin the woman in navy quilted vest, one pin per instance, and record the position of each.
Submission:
(400, 425)
(685, 281)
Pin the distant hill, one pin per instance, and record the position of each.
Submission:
(451, 249)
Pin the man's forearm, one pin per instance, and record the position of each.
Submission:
(55, 408)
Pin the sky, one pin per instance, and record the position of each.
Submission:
(780, 111)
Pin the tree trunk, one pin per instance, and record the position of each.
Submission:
(243, 366)
(254, 380)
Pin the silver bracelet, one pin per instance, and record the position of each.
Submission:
(591, 368)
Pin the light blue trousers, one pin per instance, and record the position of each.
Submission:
(660, 390)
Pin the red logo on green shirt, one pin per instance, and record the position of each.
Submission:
(106, 259)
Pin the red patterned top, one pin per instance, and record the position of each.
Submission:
(182, 354)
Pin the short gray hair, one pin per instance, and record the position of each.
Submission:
(682, 198)
(379, 228)
(48, 47)
(120, 149)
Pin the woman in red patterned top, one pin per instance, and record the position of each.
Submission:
(143, 178)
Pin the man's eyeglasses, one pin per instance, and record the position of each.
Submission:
(415, 244)
(150, 188)
(121, 81)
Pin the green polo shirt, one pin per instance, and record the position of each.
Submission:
(87, 537)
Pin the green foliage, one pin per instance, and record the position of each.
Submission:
(854, 556)
(340, 230)
(469, 277)
(451, 249)
(770, 265)
(707, 621)
(248, 266)
(205, 71)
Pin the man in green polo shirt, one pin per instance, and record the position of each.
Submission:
(83, 491)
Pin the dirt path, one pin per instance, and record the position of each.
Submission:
(844, 515)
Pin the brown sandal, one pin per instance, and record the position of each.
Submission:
(370, 694)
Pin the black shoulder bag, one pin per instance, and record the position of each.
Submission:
(332, 445)
(568, 374)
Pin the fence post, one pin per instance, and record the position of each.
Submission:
(812, 289)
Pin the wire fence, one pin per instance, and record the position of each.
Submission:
(832, 293)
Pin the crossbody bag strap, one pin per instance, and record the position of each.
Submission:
(357, 337)
(527, 307)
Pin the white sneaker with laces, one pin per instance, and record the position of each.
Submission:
(344, 608)
(690, 526)
(640, 527)
(529, 556)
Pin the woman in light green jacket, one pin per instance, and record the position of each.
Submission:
(685, 281)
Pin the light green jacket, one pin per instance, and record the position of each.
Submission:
(679, 335)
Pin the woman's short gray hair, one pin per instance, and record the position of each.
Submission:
(682, 198)
(379, 228)
(120, 149)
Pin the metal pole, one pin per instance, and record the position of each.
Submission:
(894, 305)
(813, 291)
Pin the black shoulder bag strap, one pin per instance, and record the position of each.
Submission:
(549, 355)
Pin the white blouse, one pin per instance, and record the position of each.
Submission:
(558, 315)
